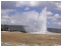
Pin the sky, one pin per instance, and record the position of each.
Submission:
(28, 13)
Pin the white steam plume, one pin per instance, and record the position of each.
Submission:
(40, 27)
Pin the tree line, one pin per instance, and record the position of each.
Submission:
(5, 28)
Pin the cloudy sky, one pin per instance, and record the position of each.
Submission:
(27, 13)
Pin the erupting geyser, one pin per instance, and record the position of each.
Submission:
(41, 23)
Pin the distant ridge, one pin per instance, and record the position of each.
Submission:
(21, 28)
(54, 30)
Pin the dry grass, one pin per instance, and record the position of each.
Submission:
(17, 38)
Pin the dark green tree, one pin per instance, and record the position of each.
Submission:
(4, 28)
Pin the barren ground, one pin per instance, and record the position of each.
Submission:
(26, 39)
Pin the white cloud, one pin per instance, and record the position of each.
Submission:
(49, 15)
(18, 18)
(55, 17)
(6, 11)
(13, 21)
(27, 8)
(56, 5)
(55, 20)
(57, 23)
(26, 3)
(25, 17)
(34, 3)
(5, 18)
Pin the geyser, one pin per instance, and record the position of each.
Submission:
(40, 28)
(43, 21)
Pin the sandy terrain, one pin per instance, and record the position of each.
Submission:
(26, 39)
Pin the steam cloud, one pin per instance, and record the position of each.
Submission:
(40, 26)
